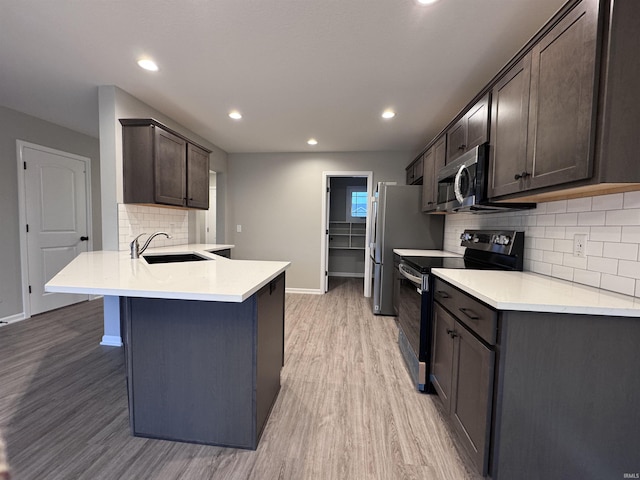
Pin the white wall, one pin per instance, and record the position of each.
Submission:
(277, 198)
(612, 225)
(114, 104)
(19, 126)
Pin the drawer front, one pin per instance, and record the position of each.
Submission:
(476, 316)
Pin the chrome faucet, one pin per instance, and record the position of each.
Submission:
(136, 251)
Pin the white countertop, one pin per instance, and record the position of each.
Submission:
(405, 252)
(531, 292)
(116, 274)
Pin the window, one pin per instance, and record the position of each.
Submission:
(357, 202)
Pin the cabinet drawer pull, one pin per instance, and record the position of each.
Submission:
(442, 294)
(518, 176)
(469, 313)
(462, 147)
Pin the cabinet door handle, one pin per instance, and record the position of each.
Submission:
(469, 313)
(452, 333)
(462, 147)
(442, 294)
(518, 176)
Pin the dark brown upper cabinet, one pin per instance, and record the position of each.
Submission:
(543, 109)
(162, 167)
(509, 123)
(471, 130)
(433, 161)
(415, 171)
(565, 113)
(197, 177)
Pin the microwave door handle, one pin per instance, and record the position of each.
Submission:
(457, 184)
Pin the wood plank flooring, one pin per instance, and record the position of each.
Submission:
(346, 410)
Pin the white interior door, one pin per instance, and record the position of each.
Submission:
(56, 209)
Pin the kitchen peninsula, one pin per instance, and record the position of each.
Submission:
(204, 340)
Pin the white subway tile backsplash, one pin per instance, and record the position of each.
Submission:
(546, 220)
(587, 277)
(626, 251)
(535, 232)
(552, 257)
(544, 243)
(557, 207)
(627, 268)
(632, 200)
(136, 219)
(612, 226)
(565, 246)
(629, 216)
(618, 284)
(604, 265)
(560, 271)
(606, 234)
(579, 204)
(571, 231)
(631, 234)
(570, 260)
(591, 218)
(541, 268)
(567, 219)
(555, 232)
(594, 249)
(607, 202)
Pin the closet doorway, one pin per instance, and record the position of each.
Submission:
(346, 222)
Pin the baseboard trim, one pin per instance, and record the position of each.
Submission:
(12, 318)
(346, 274)
(306, 291)
(111, 341)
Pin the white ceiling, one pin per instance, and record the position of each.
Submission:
(294, 68)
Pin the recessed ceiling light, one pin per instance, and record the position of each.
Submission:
(148, 64)
(312, 141)
(426, 2)
(388, 114)
(236, 115)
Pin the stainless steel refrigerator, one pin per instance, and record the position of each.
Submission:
(398, 222)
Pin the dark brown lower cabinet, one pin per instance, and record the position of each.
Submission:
(556, 397)
(204, 372)
(463, 378)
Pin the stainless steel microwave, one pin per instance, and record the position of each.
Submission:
(462, 185)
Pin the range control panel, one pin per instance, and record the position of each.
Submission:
(506, 242)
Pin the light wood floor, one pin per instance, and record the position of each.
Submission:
(346, 409)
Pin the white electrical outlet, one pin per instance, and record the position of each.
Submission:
(239, 228)
(580, 245)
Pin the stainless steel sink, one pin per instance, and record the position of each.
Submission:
(174, 257)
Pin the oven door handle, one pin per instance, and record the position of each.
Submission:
(410, 276)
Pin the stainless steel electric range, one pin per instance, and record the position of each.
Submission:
(485, 250)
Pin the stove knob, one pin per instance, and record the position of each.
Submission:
(465, 237)
(501, 239)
